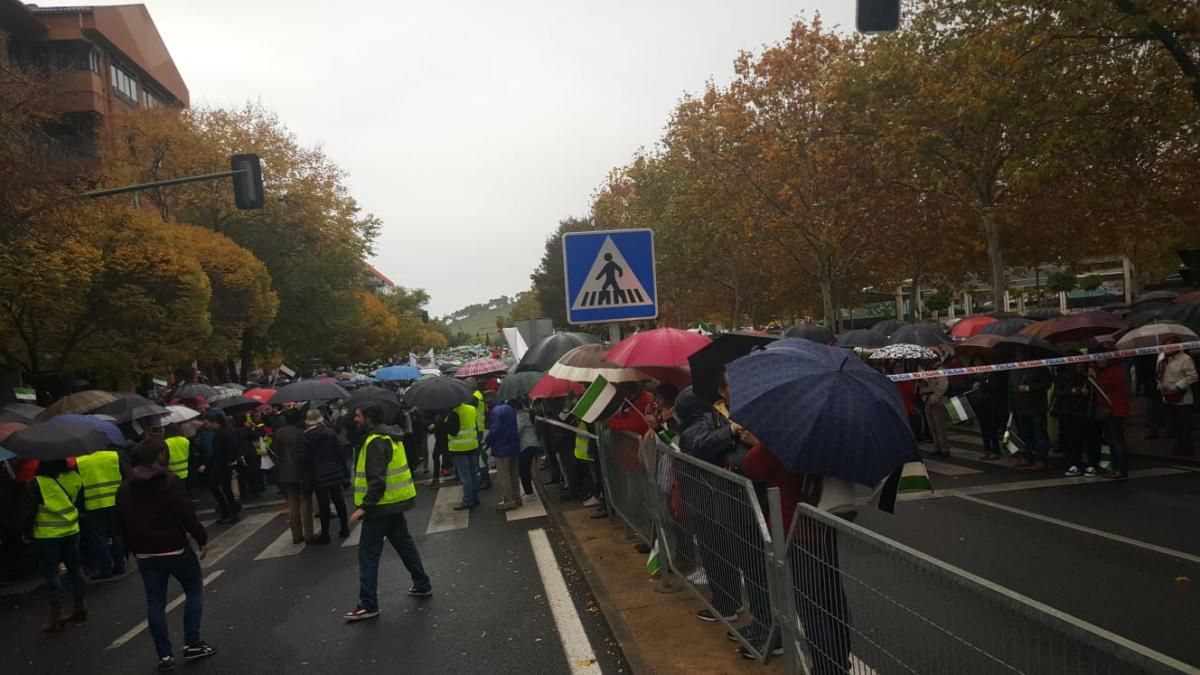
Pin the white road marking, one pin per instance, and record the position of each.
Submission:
(355, 536)
(1086, 530)
(859, 668)
(223, 543)
(444, 518)
(1030, 485)
(580, 655)
(133, 632)
(946, 469)
(531, 507)
(282, 546)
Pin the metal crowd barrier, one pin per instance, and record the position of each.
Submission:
(832, 596)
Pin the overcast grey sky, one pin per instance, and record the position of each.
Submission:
(469, 126)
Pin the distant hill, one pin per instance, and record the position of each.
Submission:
(480, 317)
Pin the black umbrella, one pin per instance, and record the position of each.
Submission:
(1188, 315)
(386, 399)
(131, 406)
(889, 326)
(56, 441)
(1043, 314)
(1149, 312)
(1033, 348)
(19, 412)
(863, 338)
(438, 393)
(542, 356)
(708, 363)
(1156, 296)
(1006, 326)
(194, 390)
(812, 332)
(924, 334)
(309, 390)
(236, 405)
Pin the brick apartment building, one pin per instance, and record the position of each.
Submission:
(105, 63)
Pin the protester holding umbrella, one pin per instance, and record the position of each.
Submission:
(50, 511)
(1176, 373)
(220, 465)
(1112, 407)
(324, 472)
(932, 393)
(288, 444)
(1028, 389)
(531, 446)
(1077, 430)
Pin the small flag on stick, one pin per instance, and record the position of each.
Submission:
(594, 400)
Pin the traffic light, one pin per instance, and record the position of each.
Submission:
(1189, 271)
(424, 316)
(247, 181)
(877, 16)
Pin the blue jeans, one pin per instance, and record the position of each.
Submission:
(156, 573)
(105, 544)
(65, 550)
(1032, 431)
(466, 464)
(394, 528)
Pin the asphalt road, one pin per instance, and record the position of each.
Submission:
(271, 607)
(1123, 555)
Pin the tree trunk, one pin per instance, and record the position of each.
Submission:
(987, 223)
(826, 286)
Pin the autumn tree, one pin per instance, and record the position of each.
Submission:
(117, 298)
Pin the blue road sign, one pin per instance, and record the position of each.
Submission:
(610, 276)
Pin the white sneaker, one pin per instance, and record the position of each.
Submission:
(591, 501)
(1072, 472)
(1090, 471)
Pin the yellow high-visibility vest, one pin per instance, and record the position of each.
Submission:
(399, 484)
(179, 452)
(581, 444)
(467, 438)
(101, 473)
(480, 412)
(57, 516)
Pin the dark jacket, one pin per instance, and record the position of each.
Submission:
(288, 446)
(226, 447)
(1032, 402)
(379, 454)
(154, 512)
(323, 457)
(1066, 402)
(706, 434)
(502, 436)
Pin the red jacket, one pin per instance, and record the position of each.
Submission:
(908, 392)
(760, 466)
(633, 419)
(1111, 377)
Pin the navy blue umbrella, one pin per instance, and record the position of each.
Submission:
(110, 430)
(822, 411)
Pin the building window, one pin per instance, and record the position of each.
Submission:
(151, 100)
(124, 84)
(94, 60)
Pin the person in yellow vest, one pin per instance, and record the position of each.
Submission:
(179, 452)
(481, 417)
(582, 486)
(464, 452)
(383, 491)
(51, 515)
(102, 473)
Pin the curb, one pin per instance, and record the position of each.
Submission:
(620, 631)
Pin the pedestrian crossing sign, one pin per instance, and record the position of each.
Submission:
(610, 276)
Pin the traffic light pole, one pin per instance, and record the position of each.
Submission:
(157, 184)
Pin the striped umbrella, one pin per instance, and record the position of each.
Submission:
(1154, 334)
(586, 362)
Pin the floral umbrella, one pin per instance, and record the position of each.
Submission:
(904, 351)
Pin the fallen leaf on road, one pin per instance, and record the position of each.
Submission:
(584, 663)
(483, 635)
(1183, 580)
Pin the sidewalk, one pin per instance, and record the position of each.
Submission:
(658, 632)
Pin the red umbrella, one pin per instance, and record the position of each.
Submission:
(970, 326)
(1075, 327)
(658, 348)
(260, 394)
(552, 387)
